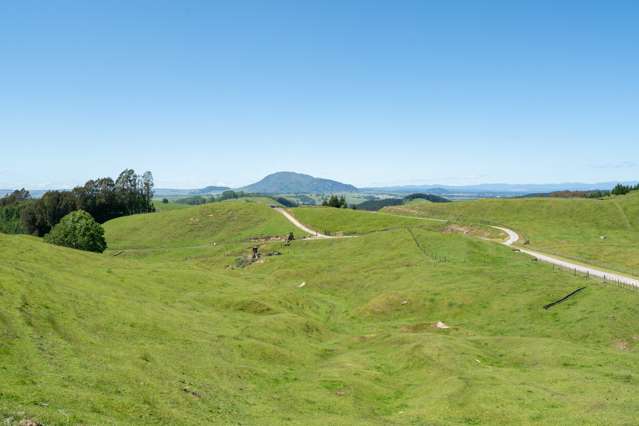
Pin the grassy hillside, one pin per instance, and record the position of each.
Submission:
(571, 228)
(172, 335)
(233, 220)
(351, 222)
(171, 205)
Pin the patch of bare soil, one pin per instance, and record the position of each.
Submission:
(29, 422)
(473, 231)
(622, 345)
(450, 229)
(267, 239)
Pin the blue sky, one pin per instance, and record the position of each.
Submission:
(367, 92)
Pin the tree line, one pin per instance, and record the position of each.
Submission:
(10, 210)
(339, 202)
(197, 200)
(620, 189)
(102, 198)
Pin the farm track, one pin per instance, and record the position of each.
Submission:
(513, 237)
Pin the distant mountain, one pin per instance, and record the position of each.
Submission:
(297, 183)
(174, 192)
(497, 188)
(211, 190)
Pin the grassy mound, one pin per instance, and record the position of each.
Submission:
(599, 232)
(235, 220)
(179, 338)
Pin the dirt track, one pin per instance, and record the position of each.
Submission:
(513, 237)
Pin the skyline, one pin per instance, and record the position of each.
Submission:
(523, 186)
(368, 94)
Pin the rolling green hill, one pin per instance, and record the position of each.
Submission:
(331, 220)
(233, 220)
(168, 331)
(572, 228)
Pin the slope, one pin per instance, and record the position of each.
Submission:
(604, 233)
(182, 338)
(234, 220)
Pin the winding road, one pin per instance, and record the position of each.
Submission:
(300, 225)
(513, 237)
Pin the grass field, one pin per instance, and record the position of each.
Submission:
(169, 332)
(353, 222)
(198, 225)
(171, 205)
(572, 228)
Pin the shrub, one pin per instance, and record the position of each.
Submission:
(78, 230)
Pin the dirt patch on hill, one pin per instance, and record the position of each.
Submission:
(621, 345)
(267, 239)
(472, 230)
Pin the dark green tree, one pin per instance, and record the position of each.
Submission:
(78, 230)
(335, 201)
(147, 190)
(15, 197)
(620, 189)
(103, 199)
(228, 195)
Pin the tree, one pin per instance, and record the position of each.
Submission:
(78, 230)
(335, 201)
(620, 189)
(229, 195)
(165, 201)
(15, 197)
(102, 198)
(39, 217)
(147, 190)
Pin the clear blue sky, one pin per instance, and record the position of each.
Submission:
(367, 92)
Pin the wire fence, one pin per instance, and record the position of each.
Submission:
(604, 279)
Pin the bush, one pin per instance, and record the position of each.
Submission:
(78, 230)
